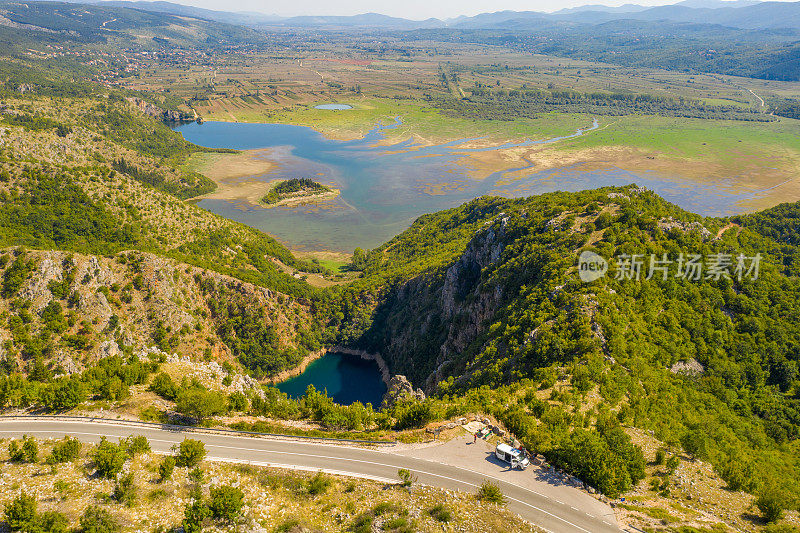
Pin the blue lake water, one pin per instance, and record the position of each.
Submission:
(384, 188)
(348, 379)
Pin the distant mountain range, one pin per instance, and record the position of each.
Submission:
(741, 14)
(241, 18)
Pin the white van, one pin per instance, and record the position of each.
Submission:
(512, 456)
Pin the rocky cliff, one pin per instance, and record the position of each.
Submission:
(72, 309)
(166, 115)
(425, 323)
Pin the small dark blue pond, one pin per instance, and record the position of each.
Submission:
(348, 379)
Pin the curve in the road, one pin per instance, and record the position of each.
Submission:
(538, 509)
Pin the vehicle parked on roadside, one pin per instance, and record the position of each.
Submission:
(512, 456)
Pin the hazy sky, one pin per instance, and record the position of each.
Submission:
(412, 9)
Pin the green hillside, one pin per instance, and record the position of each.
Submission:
(487, 297)
(62, 24)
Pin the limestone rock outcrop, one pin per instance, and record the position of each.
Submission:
(400, 388)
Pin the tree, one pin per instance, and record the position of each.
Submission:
(109, 458)
(191, 452)
(39, 371)
(695, 442)
(237, 402)
(199, 403)
(226, 502)
(97, 520)
(20, 512)
(359, 260)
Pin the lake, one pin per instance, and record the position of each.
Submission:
(384, 188)
(347, 378)
(333, 107)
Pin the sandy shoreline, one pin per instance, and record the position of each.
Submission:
(239, 178)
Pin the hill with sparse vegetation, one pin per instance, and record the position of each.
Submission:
(118, 294)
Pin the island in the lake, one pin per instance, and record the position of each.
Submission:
(297, 191)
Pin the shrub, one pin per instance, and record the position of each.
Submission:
(605, 459)
(27, 453)
(440, 513)
(226, 502)
(97, 520)
(383, 508)
(771, 502)
(237, 402)
(672, 464)
(319, 484)
(199, 403)
(65, 394)
(30, 449)
(193, 516)
(65, 451)
(406, 477)
(15, 453)
(191, 452)
(165, 468)
(362, 523)
(51, 522)
(491, 493)
(137, 444)
(196, 476)
(290, 525)
(738, 474)
(21, 512)
(414, 415)
(125, 490)
(163, 385)
(660, 457)
(109, 458)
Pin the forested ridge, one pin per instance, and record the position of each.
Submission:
(684, 47)
(484, 103)
(498, 306)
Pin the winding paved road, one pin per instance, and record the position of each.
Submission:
(535, 507)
